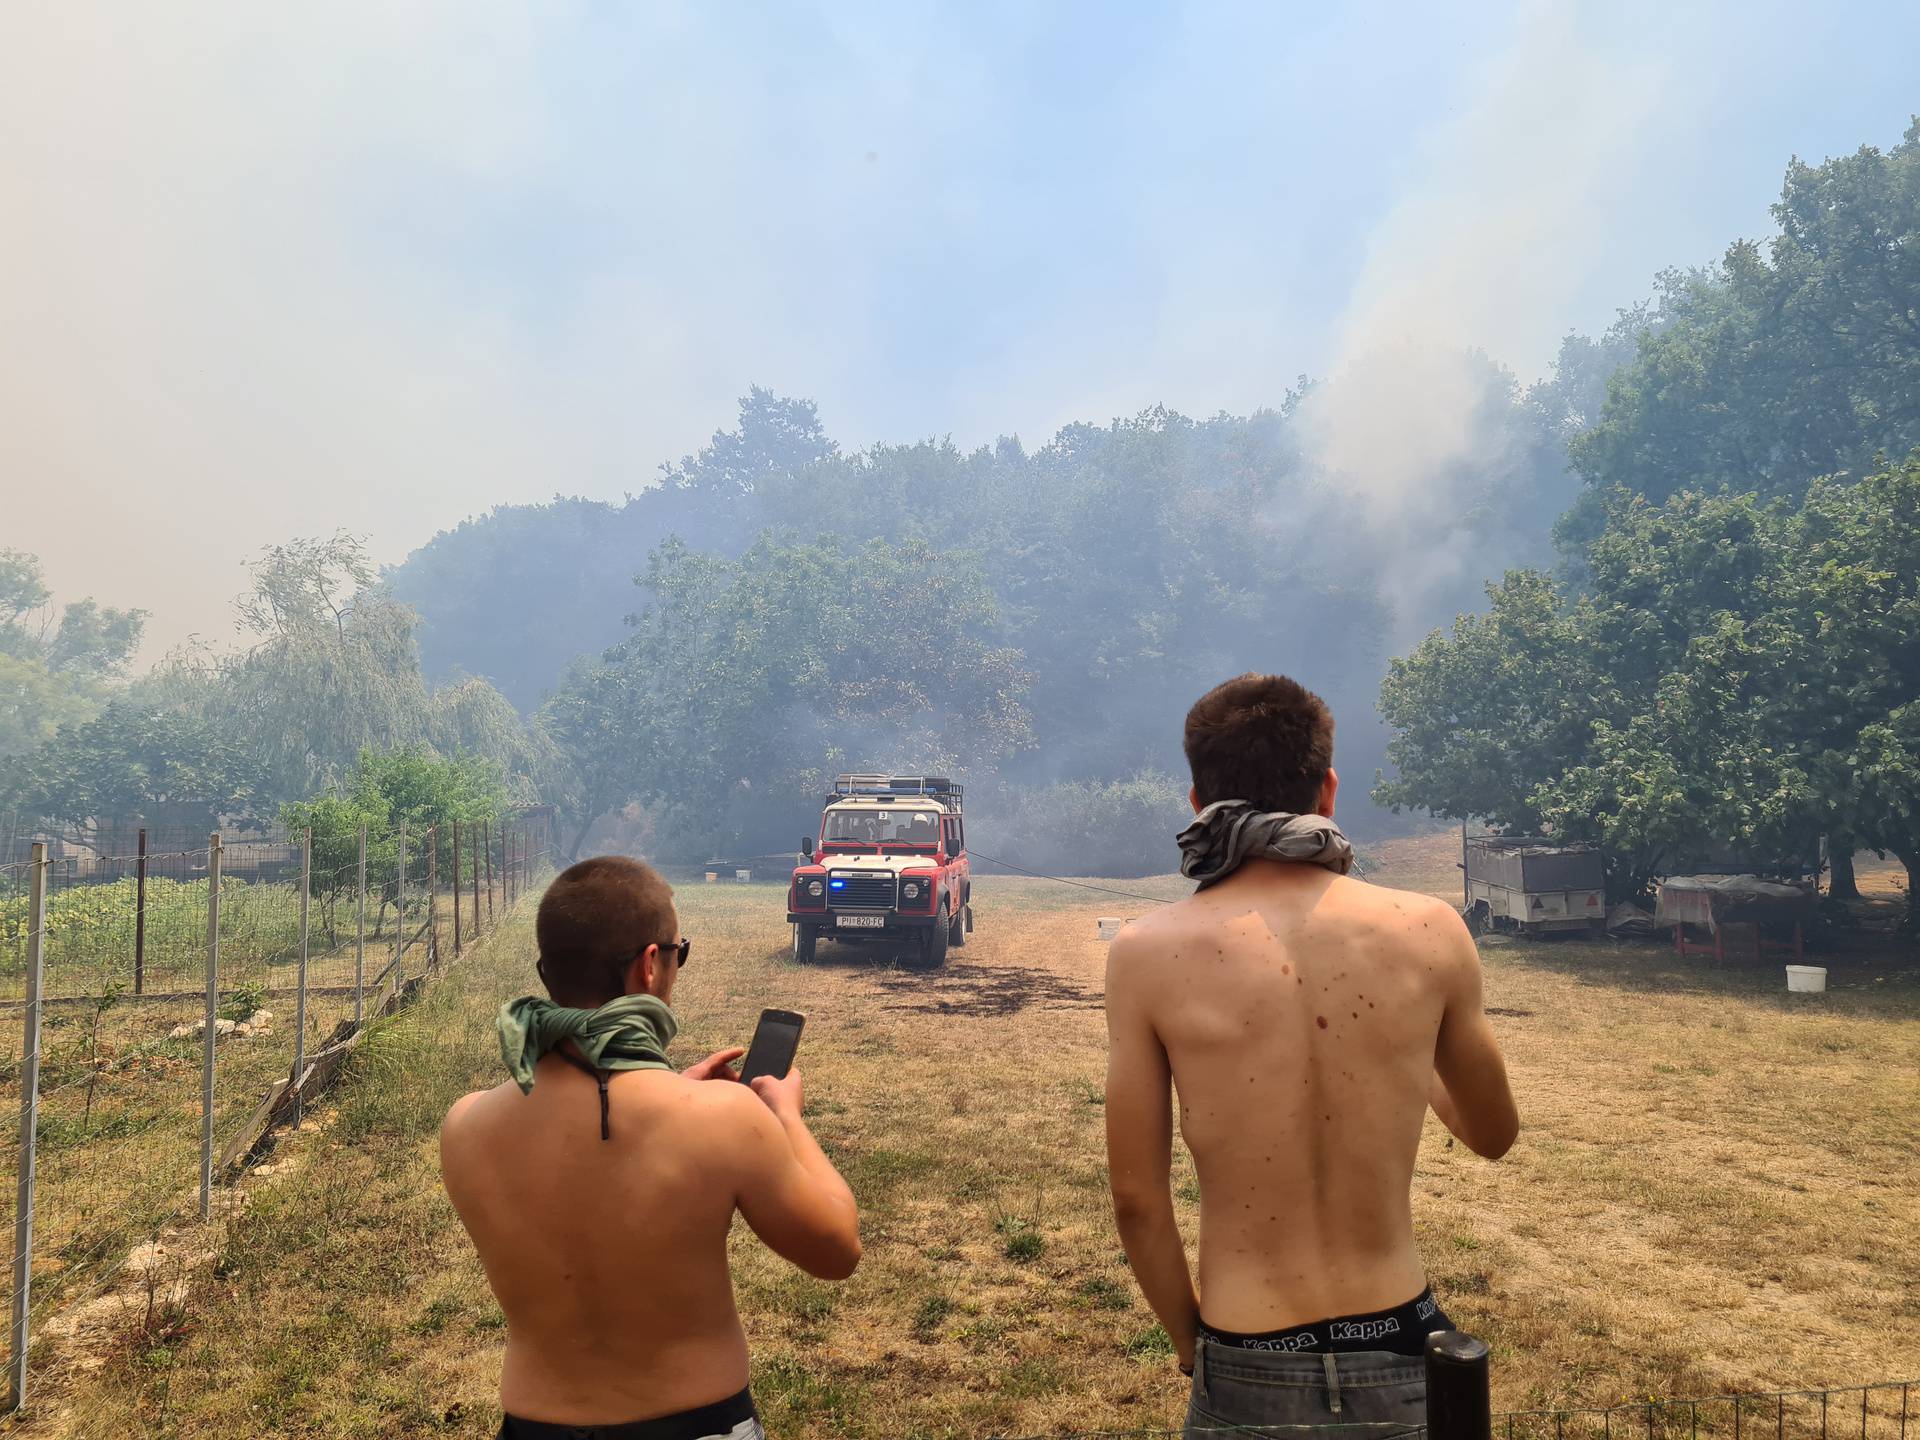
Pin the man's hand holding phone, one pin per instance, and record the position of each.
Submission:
(717, 1066)
(782, 1096)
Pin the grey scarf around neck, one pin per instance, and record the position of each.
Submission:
(1228, 833)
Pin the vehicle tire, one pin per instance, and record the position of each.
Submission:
(805, 937)
(957, 932)
(933, 942)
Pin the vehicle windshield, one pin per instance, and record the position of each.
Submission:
(883, 827)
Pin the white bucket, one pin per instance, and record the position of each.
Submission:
(1110, 926)
(1807, 979)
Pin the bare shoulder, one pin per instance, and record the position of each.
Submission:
(1419, 915)
(467, 1112)
(463, 1132)
(1158, 932)
(725, 1112)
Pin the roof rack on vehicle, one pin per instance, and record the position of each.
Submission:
(934, 787)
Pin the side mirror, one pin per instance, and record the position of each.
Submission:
(806, 846)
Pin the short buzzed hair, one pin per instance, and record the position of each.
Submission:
(595, 919)
(1264, 739)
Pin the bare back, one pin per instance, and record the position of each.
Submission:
(1299, 1015)
(608, 1257)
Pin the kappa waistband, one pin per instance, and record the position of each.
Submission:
(1400, 1330)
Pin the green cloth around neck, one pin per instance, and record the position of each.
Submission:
(631, 1033)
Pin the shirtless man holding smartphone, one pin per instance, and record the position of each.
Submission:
(1306, 1020)
(599, 1184)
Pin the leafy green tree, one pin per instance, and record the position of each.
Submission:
(590, 723)
(414, 785)
(1789, 360)
(1736, 672)
(747, 684)
(54, 671)
(1853, 593)
(333, 669)
(133, 761)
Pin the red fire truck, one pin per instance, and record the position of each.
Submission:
(889, 866)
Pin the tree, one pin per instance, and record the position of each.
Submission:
(412, 785)
(1790, 360)
(1737, 672)
(746, 684)
(588, 720)
(333, 669)
(134, 761)
(53, 671)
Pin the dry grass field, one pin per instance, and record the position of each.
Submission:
(1716, 1189)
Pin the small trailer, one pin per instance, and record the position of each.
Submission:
(1525, 884)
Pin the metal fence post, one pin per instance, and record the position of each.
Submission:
(207, 1038)
(486, 843)
(476, 893)
(433, 896)
(300, 1001)
(456, 887)
(140, 916)
(29, 1129)
(400, 927)
(360, 932)
(1457, 1397)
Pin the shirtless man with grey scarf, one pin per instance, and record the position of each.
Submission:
(1306, 1020)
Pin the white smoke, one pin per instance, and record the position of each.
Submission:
(1486, 251)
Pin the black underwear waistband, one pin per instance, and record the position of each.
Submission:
(1401, 1330)
(708, 1420)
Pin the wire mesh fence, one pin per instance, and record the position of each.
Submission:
(170, 1008)
(1856, 1412)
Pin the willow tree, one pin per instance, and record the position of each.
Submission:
(332, 670)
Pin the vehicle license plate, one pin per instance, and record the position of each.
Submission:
(860, 922)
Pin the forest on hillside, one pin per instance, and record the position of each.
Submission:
(685, 669)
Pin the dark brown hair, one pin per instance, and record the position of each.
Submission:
(1264, 739)
(594, 920)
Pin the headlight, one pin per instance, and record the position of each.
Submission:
(816, 889)
(911, 890)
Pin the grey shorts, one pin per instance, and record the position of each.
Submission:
(1370, 1393)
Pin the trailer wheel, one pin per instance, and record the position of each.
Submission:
(1477, 917)
(805, 938)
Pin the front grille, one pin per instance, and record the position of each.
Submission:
(860, 890)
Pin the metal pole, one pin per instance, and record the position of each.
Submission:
(140, 916)
(476, 891)
(433, 895)
(213, 1009)
(300, 1000)
(1457, 1399)
(400, 929)
(1466, 885)
(29, 1128)
(360, 932)
(456, 887)
(487, 843)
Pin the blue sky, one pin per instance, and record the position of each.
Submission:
(278, 272)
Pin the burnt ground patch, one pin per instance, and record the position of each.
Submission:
(959, 988)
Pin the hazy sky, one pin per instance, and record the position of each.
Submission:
(270, 271)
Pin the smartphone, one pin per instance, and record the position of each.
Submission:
(775, 1039)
